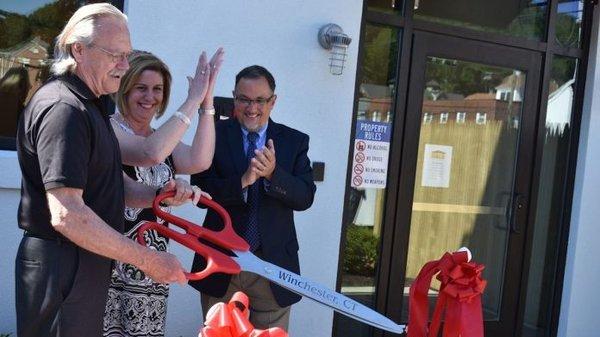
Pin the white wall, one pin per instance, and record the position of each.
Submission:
(580, 298)
(282, 36)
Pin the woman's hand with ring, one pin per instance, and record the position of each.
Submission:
(198, 85)
(214, 66)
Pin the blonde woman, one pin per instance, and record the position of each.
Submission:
(136, 305)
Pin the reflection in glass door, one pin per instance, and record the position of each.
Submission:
(464, 179)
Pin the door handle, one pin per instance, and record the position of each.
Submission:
(506, 198)
(518, 202)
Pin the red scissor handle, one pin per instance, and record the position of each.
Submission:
(226, 238)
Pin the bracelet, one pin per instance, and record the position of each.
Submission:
(182, 117)
(209, 111)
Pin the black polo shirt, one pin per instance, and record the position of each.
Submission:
(64, 139)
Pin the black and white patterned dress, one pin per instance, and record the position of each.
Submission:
(137, 306)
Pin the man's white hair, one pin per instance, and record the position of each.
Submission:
(80, 28)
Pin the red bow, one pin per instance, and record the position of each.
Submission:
(231, 320)
(460, 295)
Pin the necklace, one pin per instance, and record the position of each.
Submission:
(123, 121)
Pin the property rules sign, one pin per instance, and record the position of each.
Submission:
(371, 152)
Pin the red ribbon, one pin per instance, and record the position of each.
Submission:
(460, 296)
(232, 320)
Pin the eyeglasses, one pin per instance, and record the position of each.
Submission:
(116, 57)
(261, 102)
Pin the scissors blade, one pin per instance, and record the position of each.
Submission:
(315, 291)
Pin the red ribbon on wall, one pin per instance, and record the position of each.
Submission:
(460, 296)
(232, 320)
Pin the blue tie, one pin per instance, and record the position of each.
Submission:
(252, 234)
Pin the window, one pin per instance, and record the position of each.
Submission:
(364, 209)
(461, 117)
(568, 23)
(514, 122)
(544, 255)
(481, 118)
(443, 118)
(523, 18)
(386, 6)
(427, 118)
(505, 96)
(27, 32)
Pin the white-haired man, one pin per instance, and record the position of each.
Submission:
(73, 189)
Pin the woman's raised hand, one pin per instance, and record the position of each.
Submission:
(198, 85)
(215, 65)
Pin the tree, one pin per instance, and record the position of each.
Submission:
(381, 49)
(48, 20)
(14, 29)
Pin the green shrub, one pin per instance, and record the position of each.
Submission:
(361, 251)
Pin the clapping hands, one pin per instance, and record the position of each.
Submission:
(262, 165)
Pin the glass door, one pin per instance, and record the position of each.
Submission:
(466, 170)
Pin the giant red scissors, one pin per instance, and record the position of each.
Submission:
(243, 259)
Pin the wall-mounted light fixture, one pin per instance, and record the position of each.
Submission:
(332, 37)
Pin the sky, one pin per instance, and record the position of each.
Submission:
(572, 8)
(24, 7)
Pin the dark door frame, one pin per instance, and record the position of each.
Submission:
(429, 44)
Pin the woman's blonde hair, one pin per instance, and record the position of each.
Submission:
(139, 61)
